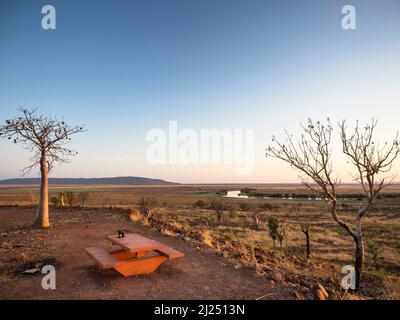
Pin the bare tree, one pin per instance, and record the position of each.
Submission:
(312, 156)
(45, 137)
(219, 208)
(371, 161)
(256, 220)
(304, 222)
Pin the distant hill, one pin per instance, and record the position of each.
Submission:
(89, 181)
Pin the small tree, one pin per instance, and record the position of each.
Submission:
(45, 137)
(281, 234)
(375, 251)
(304, 222)
(256, 220)
(69, 197)
(55, 201)
(201, 204)
(233, 211)
(219, 208)
(312, 155)
(273, 226)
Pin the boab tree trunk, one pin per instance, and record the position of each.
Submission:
(42, 215)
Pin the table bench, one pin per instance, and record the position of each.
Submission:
(136, 255)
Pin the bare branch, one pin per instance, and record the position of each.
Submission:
(44, 136)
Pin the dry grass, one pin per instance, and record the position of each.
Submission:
(135, 215)
(207, 238)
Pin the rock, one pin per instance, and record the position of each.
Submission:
(267, 269)
(277, 277)
(322, 288)
(303, 283)
(320, 292)
(6, 245)
(31, 271)
(22, 257)
(297, 295)
(319, 295)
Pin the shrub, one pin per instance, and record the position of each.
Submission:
(375, 250)
(276, 231)
(168, 233)
(219, 208)
(69, 197)
(55, 201)
(135, 215)
(82, 198)
(229, 236)
(232, 212)
(147, 206)
(207, 238)
(200, 204)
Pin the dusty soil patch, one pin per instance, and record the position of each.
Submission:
(200, 275)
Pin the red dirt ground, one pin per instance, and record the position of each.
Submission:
(199, 275)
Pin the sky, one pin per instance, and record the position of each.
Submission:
(123, 68)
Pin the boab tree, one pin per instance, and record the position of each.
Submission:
(45, 137)
(311, 155)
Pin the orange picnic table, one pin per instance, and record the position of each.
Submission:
(136, 254)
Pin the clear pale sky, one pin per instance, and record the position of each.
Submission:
(125, 67)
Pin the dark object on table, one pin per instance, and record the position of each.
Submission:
(121, 234)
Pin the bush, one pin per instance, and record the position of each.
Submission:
(232, 213)
(69, 197)
(276, 231)
(200, 204)
(55, 201)
(374, 250)
(229, 236)
(147, 207)
(207, 238)
(135, 215)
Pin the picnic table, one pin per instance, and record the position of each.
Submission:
(135, 254)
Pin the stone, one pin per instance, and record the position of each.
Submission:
(277, 277)
(31, 271)
(320, 292)
(297, 295)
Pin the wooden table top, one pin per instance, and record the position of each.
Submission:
(134, 242)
